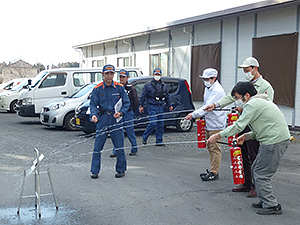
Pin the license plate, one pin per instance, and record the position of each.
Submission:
(77, 121)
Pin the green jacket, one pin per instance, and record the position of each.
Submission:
(265, 120)
(261, 85)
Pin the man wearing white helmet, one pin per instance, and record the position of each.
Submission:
(249, 148)
(215, 121)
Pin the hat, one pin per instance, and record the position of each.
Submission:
(209, 72)
(157, 71)
(251, 61)
(108, 68)
(123, 73)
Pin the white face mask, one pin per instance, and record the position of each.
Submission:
(240, 103)
(207, 83)
(249, 76)
(156, 77)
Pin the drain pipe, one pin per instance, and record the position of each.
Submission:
(191, 35)
(81, 58)
(190, 43)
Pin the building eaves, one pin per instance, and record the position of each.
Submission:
(223, 14)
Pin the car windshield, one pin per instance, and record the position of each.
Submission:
(82, 91)
(3, 85)
(37, 79)
(20, 86)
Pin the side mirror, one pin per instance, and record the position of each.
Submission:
(29, 82)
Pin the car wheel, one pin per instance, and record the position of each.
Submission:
(13, 106)
(69, 121)
(184, 125)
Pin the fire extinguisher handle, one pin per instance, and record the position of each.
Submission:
(234, 143)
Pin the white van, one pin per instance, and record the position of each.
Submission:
(58, 83)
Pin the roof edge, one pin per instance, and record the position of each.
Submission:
(236, 11)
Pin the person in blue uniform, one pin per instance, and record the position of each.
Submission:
(104, 97)
(155, 94)
(128, 117)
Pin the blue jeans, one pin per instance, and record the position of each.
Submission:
(128, 126)
(156, 117)
(117, 137)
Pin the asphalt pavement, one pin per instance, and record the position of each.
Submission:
(162, 184)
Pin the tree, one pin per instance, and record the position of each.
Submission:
(40, 67)
(66, 65)
(18, 69)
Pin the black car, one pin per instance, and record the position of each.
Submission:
(180, 95)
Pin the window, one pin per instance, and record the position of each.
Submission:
(80, 79)
(54, 80)
(123, 62)
(159, 60)
(132, 74)
(98, 63)
(8, 87)
(139, 88)
(126, 61)
(172, 87)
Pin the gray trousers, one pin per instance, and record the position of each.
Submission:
(263, 169)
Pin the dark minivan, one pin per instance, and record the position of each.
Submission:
(180, 95)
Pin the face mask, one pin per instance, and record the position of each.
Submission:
(157, 78)
(240, 103)
(249, 76)
(207, 83)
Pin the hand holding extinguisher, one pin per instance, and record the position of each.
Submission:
(241, 139)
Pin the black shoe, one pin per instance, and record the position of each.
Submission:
(113, 155)
(270, 210)
(160, 144)
(94, 176)
(204, 174)
(120, 174)
(144, 142)
(257, 205)
(241, 188)
(132, 154)
(210, 176)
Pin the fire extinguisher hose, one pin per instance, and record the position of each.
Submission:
(229, 110)
(234, 143)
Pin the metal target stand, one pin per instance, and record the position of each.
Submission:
(35, 168)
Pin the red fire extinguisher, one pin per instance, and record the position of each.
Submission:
(232, 117)
(201, 133)
(237, 165)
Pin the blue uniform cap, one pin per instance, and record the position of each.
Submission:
(157, 71)
(108, 68)
(123, 73)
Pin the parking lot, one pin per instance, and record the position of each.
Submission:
(162, 184)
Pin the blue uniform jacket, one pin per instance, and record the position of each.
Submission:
(105, 97)
(148, 95)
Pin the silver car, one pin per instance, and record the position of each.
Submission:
(60, 112)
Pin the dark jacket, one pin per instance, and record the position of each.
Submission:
(155, 96)
(133, 97)
(105, 97)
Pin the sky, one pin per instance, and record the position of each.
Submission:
(44, 31)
